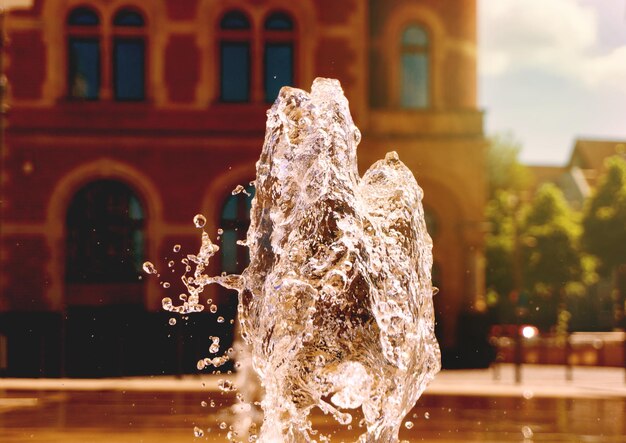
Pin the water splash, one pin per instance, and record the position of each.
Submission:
(336, 304)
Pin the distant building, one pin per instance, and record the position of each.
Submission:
(579, 176)
(129, 117)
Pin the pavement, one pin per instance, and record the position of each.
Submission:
(538, 381)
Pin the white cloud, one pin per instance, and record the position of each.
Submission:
(608, 70)
(559, 37)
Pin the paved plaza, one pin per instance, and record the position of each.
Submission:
(459, 406)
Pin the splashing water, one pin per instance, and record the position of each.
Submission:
(336, 304)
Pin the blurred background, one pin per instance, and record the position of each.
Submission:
(121, 120)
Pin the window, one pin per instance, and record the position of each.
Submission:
(415, 68)
(252, 72)
(105, 239)
(279, 54)
(128, 56)
(121, 73)
(234, 222)
(83, 54)
(235, 57)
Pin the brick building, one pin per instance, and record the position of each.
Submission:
(129, 117)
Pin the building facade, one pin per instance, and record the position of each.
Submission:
(580, 175)
(129, 117)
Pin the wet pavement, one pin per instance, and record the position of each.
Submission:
(592, 408)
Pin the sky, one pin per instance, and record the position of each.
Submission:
(552, 71)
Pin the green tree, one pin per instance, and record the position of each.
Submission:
(604, 225)
(552, 260)
(507, 180)
(504, 171)
(502, 215)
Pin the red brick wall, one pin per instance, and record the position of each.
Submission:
(27, 64)
(24, 273)
(181, 10)
(182, 67)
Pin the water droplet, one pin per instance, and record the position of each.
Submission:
(527, 432)
(214, 348)
(357, 136)
(238, 190)
(223, 425)
(166, 285)
(220, 319)
(199, 220)
(320, 360)
(203, 404)
(170, 263)
(200, 365)
(172, 321)
(213, 309)
(408, 424)
(149, 268)
(426, 415)
(176, 248)
(225, 385)
(220, 231)
(198, 432)
(167, 303)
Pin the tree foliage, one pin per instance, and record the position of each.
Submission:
(499, 243)
(604, 225)
(533, 249)
(504, 171)
(604, 222)
(506, 178)
(552, 257)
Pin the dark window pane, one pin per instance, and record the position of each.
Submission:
(414, 80)
(235, 72)
(84, 68)
(128, 17)
(234, 221)
(230, 209)
(129, 69)
(105, 240)
(234, 20)
(278, 68)
(279, 22)
(229, 251)
(83, 17)
(415, 36)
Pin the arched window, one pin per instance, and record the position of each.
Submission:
(128, 55)
(235, 221)
(235, 57)
(279, 54)
(83, 29)
(105, 239)
(415, 68)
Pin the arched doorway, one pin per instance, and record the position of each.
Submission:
(104, 290)
(234, 223)
(105, 241)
